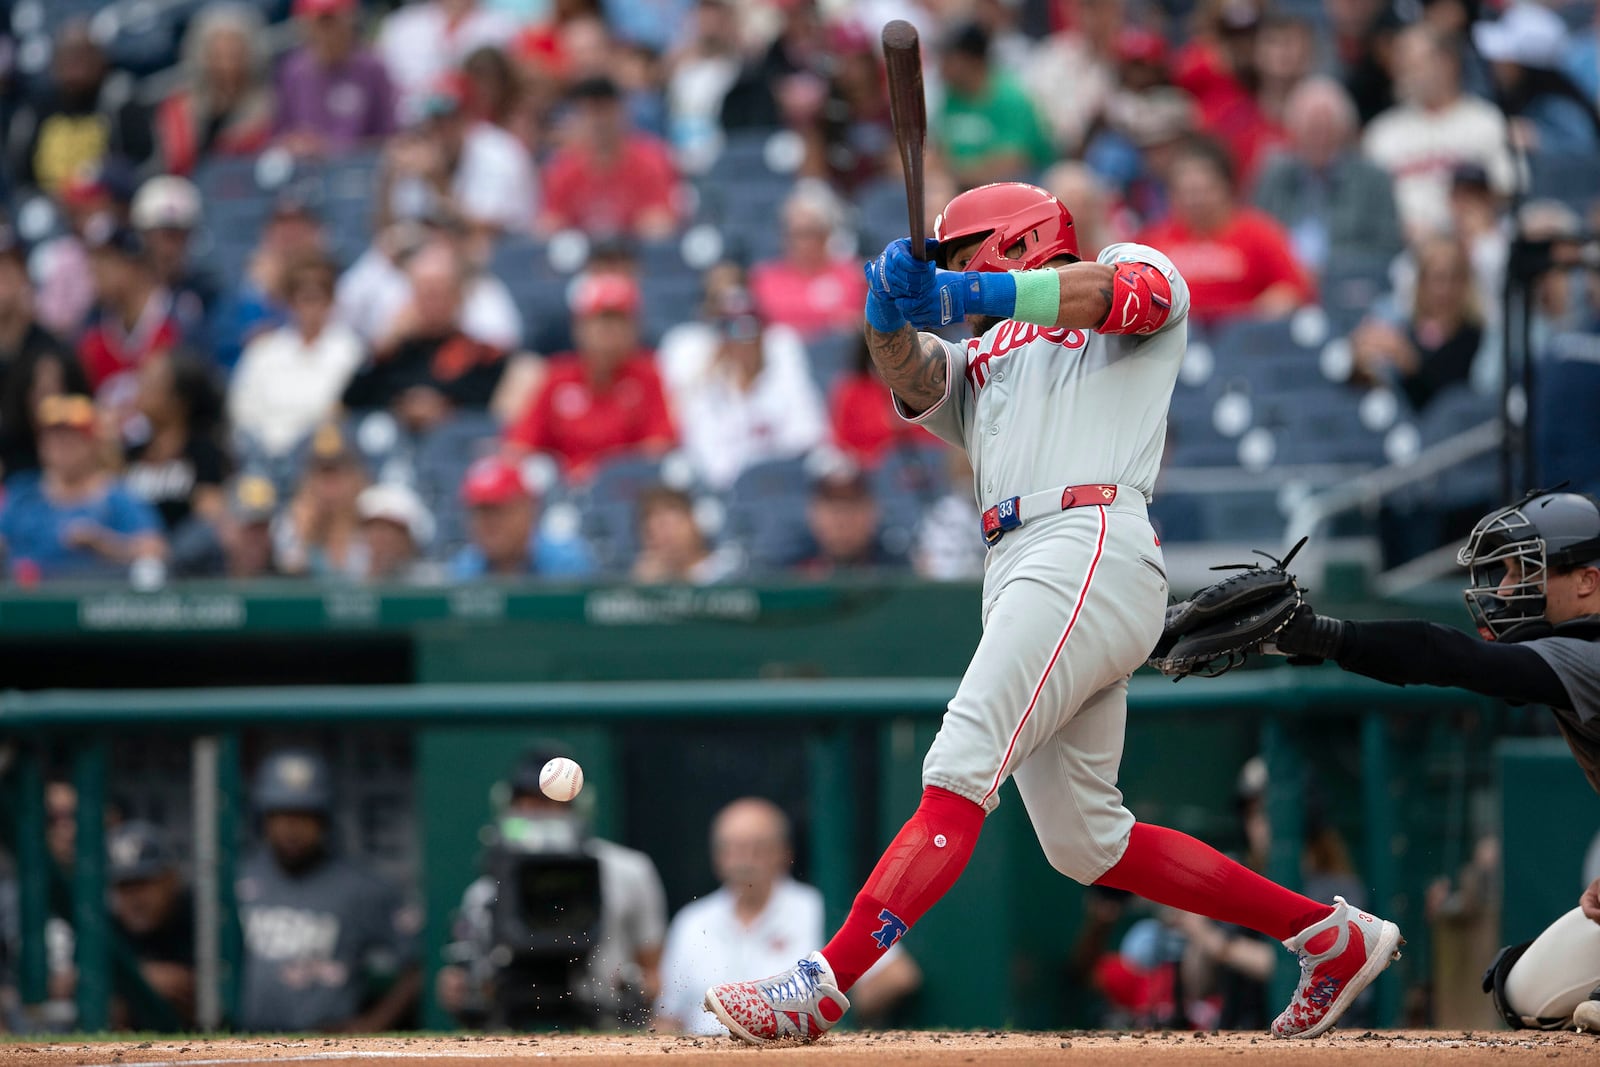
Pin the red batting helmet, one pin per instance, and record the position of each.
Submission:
(1010, 213)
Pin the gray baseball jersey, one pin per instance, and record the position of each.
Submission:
(312, 943)
(1577, 663)
(1072, 600)
(1040, 408)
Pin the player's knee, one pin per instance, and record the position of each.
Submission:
(1079, 864)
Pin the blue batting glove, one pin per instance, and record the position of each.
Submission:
(955, 293)
(881, 314)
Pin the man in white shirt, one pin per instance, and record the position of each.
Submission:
(759, 918)
(421, 41)
(289, 381)
(1434, 128)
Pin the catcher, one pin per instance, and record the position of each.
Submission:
(1535, 598)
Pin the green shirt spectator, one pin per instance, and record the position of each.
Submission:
(987, 124)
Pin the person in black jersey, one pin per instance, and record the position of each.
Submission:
(1535, 598)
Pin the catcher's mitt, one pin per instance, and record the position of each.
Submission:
(1215, 630)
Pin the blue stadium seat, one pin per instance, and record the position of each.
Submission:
(881, 211)
(442, 459)
(1565, 176)
(831, 355)
(1350, 286)
(1568, 448)
(766, 513)
(610, 506)
(909, 479)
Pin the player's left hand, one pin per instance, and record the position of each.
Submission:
(927, 296)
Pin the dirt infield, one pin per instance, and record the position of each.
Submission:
(1370, 1049)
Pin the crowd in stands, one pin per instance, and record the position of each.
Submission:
(451, 288)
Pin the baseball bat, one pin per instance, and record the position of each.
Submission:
(902, 59)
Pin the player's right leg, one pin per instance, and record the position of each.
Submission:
(1552, 982)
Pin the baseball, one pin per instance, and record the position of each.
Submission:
(561, 779)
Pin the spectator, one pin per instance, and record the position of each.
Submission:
(1582, 62)
(427, 367)
(74, 520)
(154, 911)
(1085, 54)
(1334, 204)
(508, 539)
(852, 136)
(290, 381)
(396, 528)
(320, 931)
(1285, 56)
(333, 94)
(842, 519)
(1478, 217)
(1097, 216)
(750, 399)
(320, 534)
(174, 455)
(1217, 67)
(84, 117)
(449, 165)
(702, 71)
(1237, 260)
(759, 916)
(426, 38)
(619, 976)
(165, 211)
(672, 547)
(1524, 50)
(225, 105)
(604, 399)
(861, 414)
(33, 363)
(945, 550)
(1435, 126)
(60, 265)
(1133, 152)
(810, 289)
(608, 178)
(1436, 343)
(656, 24)
(135, 317)
(374, 291)
(244, 535)
(987, 125)
(494, 92)
(293, 232)
(1363, 46)
(785, 84)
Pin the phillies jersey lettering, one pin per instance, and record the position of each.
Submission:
(1037, 408)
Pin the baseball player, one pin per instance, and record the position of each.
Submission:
(1060, 400)
(1535, 598)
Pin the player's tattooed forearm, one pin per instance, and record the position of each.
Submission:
(912, 365)
(1105, 295)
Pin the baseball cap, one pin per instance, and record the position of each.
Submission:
(399, 504)
(1138, 45)
(313, 8)
(598, 87)
(166, 202)
(252, 499)
(68, 411)
(1528, 34)
(493, 480)
(294, 780)
(135, 853)
(295, 203)
(1471, 174)
(841, 480)
(598, 294)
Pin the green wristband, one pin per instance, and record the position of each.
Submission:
(1038, 296)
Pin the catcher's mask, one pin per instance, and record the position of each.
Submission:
(1022, 226)
(1542, 531)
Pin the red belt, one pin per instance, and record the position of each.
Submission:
(1013, 512)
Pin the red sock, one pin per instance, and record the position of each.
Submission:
(1174, 869)
(919, 866)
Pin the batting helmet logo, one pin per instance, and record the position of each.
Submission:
(1017, 218)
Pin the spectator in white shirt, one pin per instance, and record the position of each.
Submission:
(421, 41)
(452, 165)
(759, 922)
(742, 392)
(288, 382)
(371, 293)
(1434, 127)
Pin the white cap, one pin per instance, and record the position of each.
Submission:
(166, 202)
(400, 505)
(1527, 34)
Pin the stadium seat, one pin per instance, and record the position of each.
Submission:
(1565, 176)
(609, 506)
(1567, 447)
(831, 355)
(442, 459)
(766, 513)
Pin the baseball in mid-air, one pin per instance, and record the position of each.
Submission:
(561, 779)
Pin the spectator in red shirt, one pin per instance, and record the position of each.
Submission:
(135, 316)
(606, 398)
(1237, 260)
(225, 106)
(1218, 68)
(861, 413)
(609, 178)
(810, 290)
